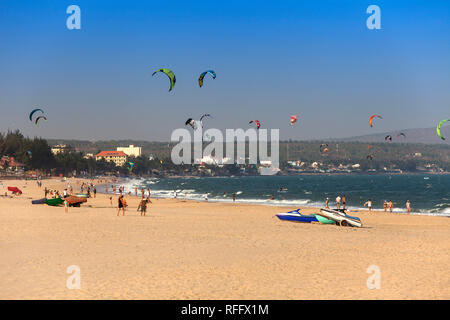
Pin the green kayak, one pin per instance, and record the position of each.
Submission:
(324, 220)
(54, 202)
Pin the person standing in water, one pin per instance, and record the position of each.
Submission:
(408, 206)
(369, 205)
(390, 206)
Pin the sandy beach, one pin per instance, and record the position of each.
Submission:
(198, 250)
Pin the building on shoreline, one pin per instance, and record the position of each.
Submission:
(131, 150)
(60, 148)
(118, 157)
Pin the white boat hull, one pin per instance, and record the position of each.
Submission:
(340, 218)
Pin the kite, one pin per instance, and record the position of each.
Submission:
(401, 134)
(293, 120)
(39, 118)
(369, 157)
(372, 117)
(438, 129)
(204, 116)
(131, 166)
(258, 124)
(388, 137)
(192, 123)
(33, 112)
(168, 73)
(324, 146)
(200, 79)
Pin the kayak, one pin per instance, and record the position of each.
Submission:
(75, 201)
(340, 217)
(15, 190)
(54, 202)
(82, 195)
(39, 201)
(296, 216)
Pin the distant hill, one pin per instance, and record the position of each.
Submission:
(422, 135)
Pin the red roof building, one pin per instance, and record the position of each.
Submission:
(118, 157)
(10, 162)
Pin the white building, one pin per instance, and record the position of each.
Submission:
(131, 150)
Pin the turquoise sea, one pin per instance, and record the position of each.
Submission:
(429, 194)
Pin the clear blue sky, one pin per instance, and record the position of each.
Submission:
(313, 58)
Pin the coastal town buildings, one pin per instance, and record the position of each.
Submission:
(60, 148)
(118, 157)
(131, 150)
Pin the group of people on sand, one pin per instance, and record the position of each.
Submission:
(341, 202)
(388, 205)
(122, 202)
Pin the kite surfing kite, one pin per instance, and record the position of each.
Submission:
(191, 122)
(258, 124)
(369, 157)
(324, 147)
(373, 117)
(293, 120)
(39, 118)
(168, 73)
(202, 117)
(200, 79)
(131, 166)
(438, 129)
(388, 137)
(33, 112)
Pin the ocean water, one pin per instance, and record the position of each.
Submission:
(428, 194)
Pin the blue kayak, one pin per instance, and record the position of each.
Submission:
(296, 216)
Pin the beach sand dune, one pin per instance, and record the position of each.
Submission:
(198, 250)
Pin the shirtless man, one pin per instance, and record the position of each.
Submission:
(338, 202)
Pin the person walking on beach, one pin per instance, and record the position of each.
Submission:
(233, 197)
(385, 205)
(390, 206)
(343, 202)
(95, 192)
(338, 202)
(121, 205)
(142, 206)
(408, 206)
(66, 206)
(368, 204)
(206, 197)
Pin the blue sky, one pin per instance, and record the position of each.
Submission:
(313, 58)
